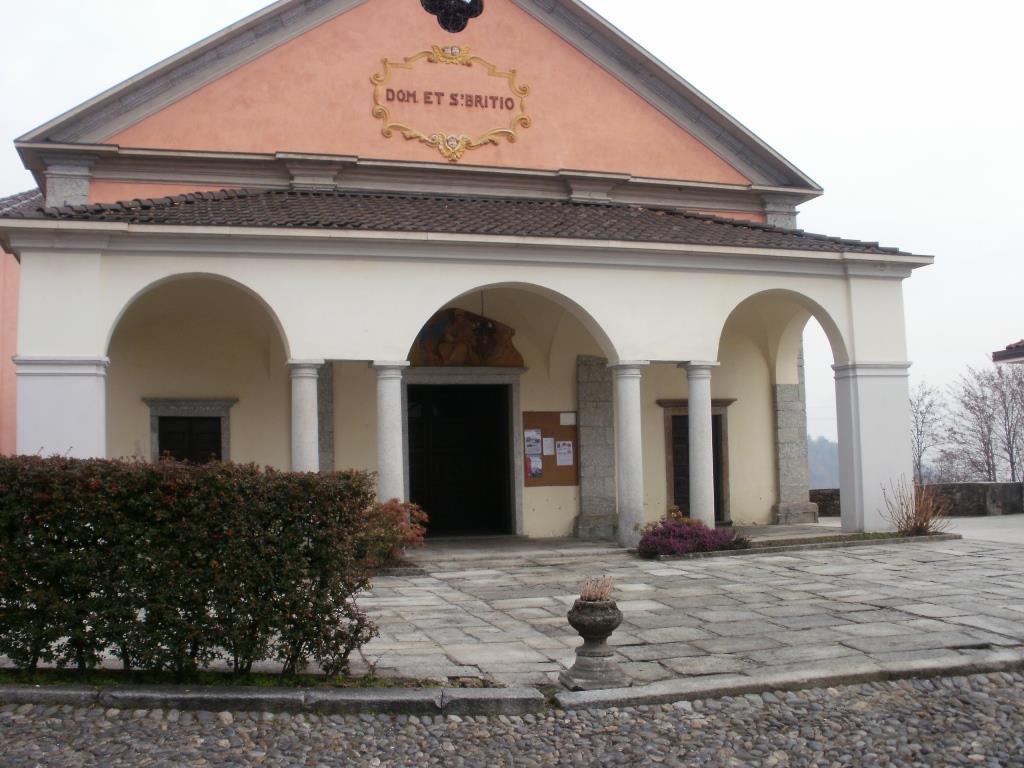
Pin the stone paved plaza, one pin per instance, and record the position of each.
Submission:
(497, 610)
(976, 721)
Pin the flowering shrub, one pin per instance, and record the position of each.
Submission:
(397, 526)
(170, 566)
(681, 536)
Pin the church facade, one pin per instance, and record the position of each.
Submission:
(531, 277)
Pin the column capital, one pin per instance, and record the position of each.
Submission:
(27, 365)
(390, 368)
(302, 369)
(878, 370)
(699, 369)
(628, 368)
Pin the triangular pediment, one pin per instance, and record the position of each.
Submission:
(529, 84)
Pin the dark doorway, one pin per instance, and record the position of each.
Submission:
(681, 465)
(195, 439)
(459, 462)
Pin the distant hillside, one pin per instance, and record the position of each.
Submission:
(823, 460)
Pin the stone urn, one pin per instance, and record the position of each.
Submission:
(595, 667)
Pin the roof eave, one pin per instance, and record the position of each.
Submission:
(877, 260)
(1008, 356)
(40, 132)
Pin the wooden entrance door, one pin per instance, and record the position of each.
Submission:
(460, 469)
(681, 465)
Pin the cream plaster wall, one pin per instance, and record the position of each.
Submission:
(744, 376)
(355, 416)
(365, 297)
(9, 279)
(200, 339)
(71, 299)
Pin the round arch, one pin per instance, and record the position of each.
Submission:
(560, 299)
(790, 312)
(184, 276)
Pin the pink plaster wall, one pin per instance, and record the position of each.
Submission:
(116, 191)
(9, 270)
(314, 95)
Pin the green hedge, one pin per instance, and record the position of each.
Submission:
(170, 566)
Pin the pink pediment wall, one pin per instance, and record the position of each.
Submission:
(314, 95)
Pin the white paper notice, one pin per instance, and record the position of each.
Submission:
(565, 454)
(567, 419)
(533, 442)
(549, 446)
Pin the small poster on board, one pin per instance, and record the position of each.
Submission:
(549, 446)
(534, 442)
(536, 466)
(564, 452)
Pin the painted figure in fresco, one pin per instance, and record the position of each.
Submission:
(458, 337)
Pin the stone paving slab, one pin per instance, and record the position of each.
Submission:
(498, 610)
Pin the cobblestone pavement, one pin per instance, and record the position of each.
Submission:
(499, 610)
(944, 722)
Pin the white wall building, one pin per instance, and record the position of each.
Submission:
(347, 242)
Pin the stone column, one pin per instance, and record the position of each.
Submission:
(62, 406)
(390, 432)
(873, 413)
(595, 400)
(325, 408)
(629, 461)
(793, 474)
(305, 415)
(702, 449)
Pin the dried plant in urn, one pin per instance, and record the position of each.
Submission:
(596, 590)
(595, 616)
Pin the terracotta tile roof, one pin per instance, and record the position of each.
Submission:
(516, 217)
(21, 202)
(1013, 352)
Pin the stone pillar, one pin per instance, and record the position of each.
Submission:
(305, 415)
(390, 432)
(702, 448)
(325, 413)
(62, 406)
(596, 425)
(793, 474)
(67, 179)
(873, 412)
(629, 461)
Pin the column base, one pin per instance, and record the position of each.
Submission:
(596, 526)
(795, 514)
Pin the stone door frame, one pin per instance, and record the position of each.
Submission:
(455, 375)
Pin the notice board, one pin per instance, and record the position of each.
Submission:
(551, 449)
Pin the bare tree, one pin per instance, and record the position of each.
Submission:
(1007, 384)
(972, 426)
(927, 411)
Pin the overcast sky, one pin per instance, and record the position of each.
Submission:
(908, 112)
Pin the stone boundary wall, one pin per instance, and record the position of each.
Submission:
(827, 500)
(967, 499)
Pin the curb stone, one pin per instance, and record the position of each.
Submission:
(781, 548)
(499, 701)
(326, 701)
(719, 686)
